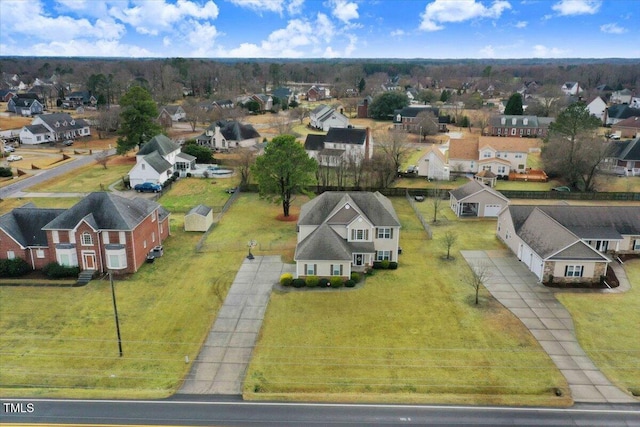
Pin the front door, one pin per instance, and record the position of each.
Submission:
(358, 259)
(89, 261)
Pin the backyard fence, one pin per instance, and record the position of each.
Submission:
(219, 212)
(424, 223)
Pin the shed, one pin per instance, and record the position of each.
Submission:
(475, 199)
(198, 218)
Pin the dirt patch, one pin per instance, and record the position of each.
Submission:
(121, 160)
(290, 218)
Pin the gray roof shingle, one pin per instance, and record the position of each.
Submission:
(24, 224)
(374, 206)
(159, 143)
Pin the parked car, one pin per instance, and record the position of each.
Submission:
(561, 188)
(14, 158)
(148, 187)
(231, 190)
(68, 142)
(419, 198)
(9, 149)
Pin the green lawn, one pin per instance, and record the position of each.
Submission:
(83, 180)
(61, 341)
(189, 192)
(42, 202)
(607, 328)
(408, 335)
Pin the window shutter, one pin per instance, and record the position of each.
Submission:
(566, 270)
(331, 269)
(315, 269)
(581, 270)
(391, 233)
(305, 269)
(341, 269)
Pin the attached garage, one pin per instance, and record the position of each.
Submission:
(475, 199)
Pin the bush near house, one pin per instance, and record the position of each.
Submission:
(312, 281)
(286, 279)
(57, 271)
(14, 267)
(5, 172)
(336, 281)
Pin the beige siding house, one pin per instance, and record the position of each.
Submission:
(341, 232)
(433, 165)
(475, 199)
(569, 243)
(198, 218)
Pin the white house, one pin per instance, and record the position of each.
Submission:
(571, 88)
(500, 155)
(324, 117)
(621, 96)
(597, 107)
(341, 232)
(433, 165)
(224, 135)
(340, 145)
(157, 160)
(54, 127)
(475, 199)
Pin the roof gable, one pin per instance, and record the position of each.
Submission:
(474, 187)
(25, 224)
(346, 136)
(323, 244)
(160, 143)
(374, 206)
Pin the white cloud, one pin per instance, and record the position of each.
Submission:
(260, 5)
(521, 24)
(540, 51)
(101, 48)
(397, 33)
(612, 29)
(577, 7)
(295, 7)
(488, 52)
(345, 10)
(443, 11)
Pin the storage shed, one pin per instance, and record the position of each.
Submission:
(199, 218)
(475, 199)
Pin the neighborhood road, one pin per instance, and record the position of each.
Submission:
(212, 410)
(14, 189)
(515, 287)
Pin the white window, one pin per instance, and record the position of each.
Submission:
(72, 237)
(486, 154)
(573, 270)
(384, 233)
(518, 155)
(105, 237)
(513, 131)
(123, 239)
(116, 259)
(310, 269)
(67, 257)
(383, 255)
(11, 255)
(39, 253)
(142, 166)
(636, 245)
(144, 244)
(359, 234)
(153, 216)
(86, 239)
(55, 237)
(336, 269)
(153, 236)
(502, 169)
(514, 121)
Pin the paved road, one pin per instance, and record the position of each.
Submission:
(47, 174)
(209, 410)
(515, 287)
(223, 360)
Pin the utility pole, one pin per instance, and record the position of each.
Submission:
(115, 312)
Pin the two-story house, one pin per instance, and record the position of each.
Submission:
(341, 232)
(157, 160)
(54, 127)
(170, 114)
(101, 232)
(571, 88)
(265, 101)
(225, 135)
(519, 126)
(25, 105)
(495, 154)
(318, 93)
(324, 118)
(410, 118)
(339, 146)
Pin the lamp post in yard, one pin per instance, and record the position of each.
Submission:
(251, 244)
(115, 311)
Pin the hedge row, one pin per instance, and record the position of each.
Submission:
(385, 265)
(14, 267)
(57, 271)
(322, 282)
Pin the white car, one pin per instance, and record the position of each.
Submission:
(9, 149)
(14, 158)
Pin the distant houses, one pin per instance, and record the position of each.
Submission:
(339, 146)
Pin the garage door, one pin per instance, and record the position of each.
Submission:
(532, 261)
(492, 210)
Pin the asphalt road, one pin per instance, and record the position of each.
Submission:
(213, 411)
(47, 174)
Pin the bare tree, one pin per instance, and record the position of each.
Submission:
(449, 239)
(281, 123)
(355, 167)
(436, 202)
(427, 124)
(102, 158)
(475, 277)
(382, 170)
(394, 146)
(107, 121)
(195, 113)
(298, 113)
(245, 158)
(322, 176)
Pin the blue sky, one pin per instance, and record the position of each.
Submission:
(321, 28)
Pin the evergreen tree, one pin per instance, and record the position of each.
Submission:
(138, 116)
(514, 105)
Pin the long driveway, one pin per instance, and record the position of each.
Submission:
(515, 287)
(223, 360)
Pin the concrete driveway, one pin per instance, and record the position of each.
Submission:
(515, 287)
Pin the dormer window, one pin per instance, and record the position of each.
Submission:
(73, 122)
(57, 124)
(64, 123)
(514, 121)
(525, 121)
(503, 121)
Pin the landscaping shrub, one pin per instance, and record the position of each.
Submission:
(336, 281)
(188, 174)
(6, 172)
(312, 281)
(350, 283)
(57, 271)
(355, 277)
(377, 265)
(384, 264)
(324, 283)
(393, 265)
(286, 279)
(298, 283)
(14, 267)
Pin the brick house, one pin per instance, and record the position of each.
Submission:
(101, 232)
(519, 126)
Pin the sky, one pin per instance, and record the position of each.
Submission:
(321, 28)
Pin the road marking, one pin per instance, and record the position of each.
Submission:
(336, 405)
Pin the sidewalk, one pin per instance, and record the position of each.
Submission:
(536, 306)
(223, 360)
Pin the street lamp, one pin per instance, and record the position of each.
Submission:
(115, 311)
(251, 244)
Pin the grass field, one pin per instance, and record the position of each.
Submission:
(190, 192)
(42, 202)
(411, 334)
(599, 320)
(83, 180)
